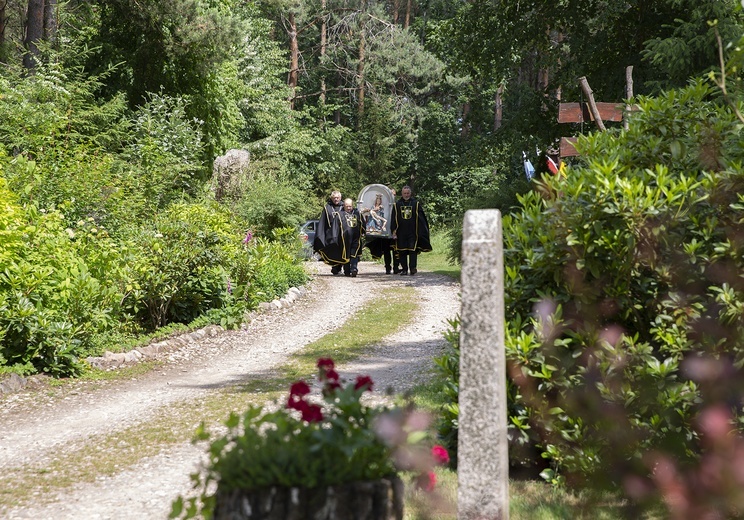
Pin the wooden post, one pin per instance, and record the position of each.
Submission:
(628, 93)
(592, 105)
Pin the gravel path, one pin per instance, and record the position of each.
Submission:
(36, 426)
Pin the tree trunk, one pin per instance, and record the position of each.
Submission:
(323, 44)
(396, 11)
(499, 109)
(360, 76)
(3, 20)
(50, 21)
(337, 112)
(294, 58)
(34, 32)
(465, 129)
(408, 14)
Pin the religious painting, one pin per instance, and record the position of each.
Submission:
(375, 204)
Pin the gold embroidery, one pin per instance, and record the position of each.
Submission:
(406, 212)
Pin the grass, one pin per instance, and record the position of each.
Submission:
(436, 260)
(528, 499)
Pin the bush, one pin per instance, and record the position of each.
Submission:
(621, 279)
(183, 270)
(268, 204)
(624, 301)
(276, 268)
(51, 304)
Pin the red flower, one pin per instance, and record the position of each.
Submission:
(363, 382)
(325, 364)
(296, 392)
(331, 375)
(311, 412)
(299, 389)
(426, 481)
(440, 454)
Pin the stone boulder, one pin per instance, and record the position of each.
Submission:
(229, 172)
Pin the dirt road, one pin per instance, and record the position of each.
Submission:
(53, 432)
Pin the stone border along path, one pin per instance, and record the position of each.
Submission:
(36, 426)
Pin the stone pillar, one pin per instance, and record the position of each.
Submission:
(482, 449)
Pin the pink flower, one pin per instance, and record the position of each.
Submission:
(426, 481)
(440, 454)
(248, 237)
(363, 382)
(331, 375)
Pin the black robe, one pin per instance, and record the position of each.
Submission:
(329, 241)
(410, 226)
(352, 226)
(379, 246)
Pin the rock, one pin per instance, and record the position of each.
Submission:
(12, 383)
(229, 171)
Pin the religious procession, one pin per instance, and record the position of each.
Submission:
(394, 230)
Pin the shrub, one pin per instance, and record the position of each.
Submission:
(276, 268)
(52, 305)
(269, 204)
(620, 279)
(182, 264)
(624, 301)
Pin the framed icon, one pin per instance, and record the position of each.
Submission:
(375, 204)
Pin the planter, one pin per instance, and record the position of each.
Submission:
(376, 500)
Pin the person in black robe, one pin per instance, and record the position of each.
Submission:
(410, 231)
(329, 240)
(352, 227)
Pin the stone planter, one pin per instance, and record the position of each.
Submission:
(376, 500)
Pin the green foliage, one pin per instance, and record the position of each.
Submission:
(167, 147)
(615, 279)
(275, 267)
(267, 204)
(686, 44)
(625, 313)
(448, 368)
(52, 305)
(185, 48)
(310, 445)
(56, 108)
(181, 270)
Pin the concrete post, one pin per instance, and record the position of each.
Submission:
(483, 456)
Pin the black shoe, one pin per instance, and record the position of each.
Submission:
(354, 273)
(414, 271)
(388, 270)
(347, 274)
(335, 270)
(403, 272)
(396, 271)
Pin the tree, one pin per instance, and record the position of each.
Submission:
(34, 32)
(180, 48)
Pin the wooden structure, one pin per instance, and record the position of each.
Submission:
(591, 110)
